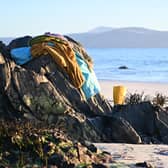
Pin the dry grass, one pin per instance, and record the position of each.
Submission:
(160, 99)
(135, 98)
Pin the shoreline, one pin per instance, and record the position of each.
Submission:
(133, 81)
(129, 154)
(149, 88)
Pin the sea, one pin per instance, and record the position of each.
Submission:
(144, 64)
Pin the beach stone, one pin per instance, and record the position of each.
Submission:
(146, 119)
(144, 164)
(141, 116)
(123, 67)
(107, 126)
(125, 132)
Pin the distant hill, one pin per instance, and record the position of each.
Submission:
(108, 37)
(100, 29)
(130, 37)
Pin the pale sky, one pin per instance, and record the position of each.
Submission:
(34, 17)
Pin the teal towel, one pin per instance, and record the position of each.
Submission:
(91, 85)
(21, 55)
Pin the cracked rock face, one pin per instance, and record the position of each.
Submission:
(39, 90)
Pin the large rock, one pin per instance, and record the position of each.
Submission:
(46, 66)
(31, 95)
(146, 119)
(115, 129)
(39, 90)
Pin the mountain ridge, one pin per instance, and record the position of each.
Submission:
(128, 37)
(124, 37)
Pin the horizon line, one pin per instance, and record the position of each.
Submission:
(90, 30)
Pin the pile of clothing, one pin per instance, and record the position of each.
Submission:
(67, 53)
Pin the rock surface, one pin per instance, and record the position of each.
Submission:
(149, 121)
(39, 91)
(26, 144)
(137, 155)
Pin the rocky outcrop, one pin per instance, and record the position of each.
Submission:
(40, 90)
(149, 121)
(27, 144)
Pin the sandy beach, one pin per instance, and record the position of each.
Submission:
(133, 87)
(129, 154)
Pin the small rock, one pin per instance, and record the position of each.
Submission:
(123, 67)
(144, 164)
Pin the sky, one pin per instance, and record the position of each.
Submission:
(34, 17)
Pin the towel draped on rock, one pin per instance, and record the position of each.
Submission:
(77, 47)
(21, 55)
(91, 85)
(47, 38)
(68, 54)
(62, 53)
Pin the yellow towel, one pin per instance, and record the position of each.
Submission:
(64, 56)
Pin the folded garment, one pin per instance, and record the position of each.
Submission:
(63, 55)
(21, 55)
(47, 38)
(91, 85)
(77, 47)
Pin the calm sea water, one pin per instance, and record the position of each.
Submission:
(145, 65)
